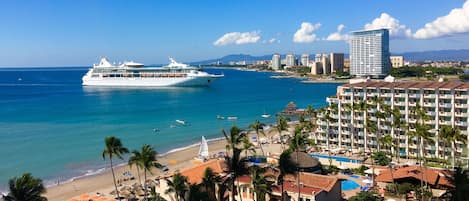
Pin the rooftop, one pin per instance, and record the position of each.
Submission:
(432, 176)
(196, 173)
(410, 85)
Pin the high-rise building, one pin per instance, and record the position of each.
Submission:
(397, 61)
(444, 103)
(290, 60)
(305, 59)
(276, 62)
(337, 62)
(326, 64)
(369, 53)
(316, 68)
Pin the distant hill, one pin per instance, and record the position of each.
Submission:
(435, 55)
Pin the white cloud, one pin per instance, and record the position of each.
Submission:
(238, 38)
(396, 30)
(306, 33)
(336, 36)
(457, 21)
(271, 41)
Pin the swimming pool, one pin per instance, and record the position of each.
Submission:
(349, 185)
(355, 176)
(337, 158)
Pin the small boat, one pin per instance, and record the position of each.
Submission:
(265, 116)
(20, 79)
(232, 118)
(220, 117)
(156, 130)
(180, 121)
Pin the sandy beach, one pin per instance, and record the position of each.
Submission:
(103, 182)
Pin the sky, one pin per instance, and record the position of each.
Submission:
(78, 33)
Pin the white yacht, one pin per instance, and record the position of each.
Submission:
(135, 74)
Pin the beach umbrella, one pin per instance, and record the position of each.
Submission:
(126, 188)
(367, 181)
(125, 193)
(173, 162)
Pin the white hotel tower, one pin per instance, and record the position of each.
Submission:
(446, 103)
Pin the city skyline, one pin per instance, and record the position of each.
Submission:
(59, 33)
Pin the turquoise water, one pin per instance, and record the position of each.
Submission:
(54, 128)
(337, 158)
(349, 185)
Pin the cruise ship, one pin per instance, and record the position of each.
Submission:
(134, 74)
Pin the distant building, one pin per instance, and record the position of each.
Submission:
(290, 60)
(305, 59)
(369, 53)
(276, 62)
(397, 61)
(316, 68)
(337, 62)
(347, 65)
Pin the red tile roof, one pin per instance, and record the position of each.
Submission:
(432, 176)
(411, 84)
(315, 180)
(195, 174)
(290, 186)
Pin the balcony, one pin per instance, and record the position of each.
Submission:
(371, 93)
(429, 104)
(372, 135)
(346, 140)
(429, 95)
(333, 139)
(399, 95)
(335, 116)
(431, 147)
(460, 114)
(460, 105)
(399, 103)
(345, 132)
(412, 95)
(460, 123)
(445, 105)
(444, 113)
(345, 116)
(346, 101)
(430, 122)
(461, 96)
(412, 103)
(402, 145)
(445, 96)
(359, 94)
(372, 110)
(361, 134)
(346, 93)
(402, 137)
(361, 141)
(431, 113)
(443, 122)
(372, 118)
(412, 120)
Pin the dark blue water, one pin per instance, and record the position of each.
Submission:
(54, 128)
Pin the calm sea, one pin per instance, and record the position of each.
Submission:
(54, 128)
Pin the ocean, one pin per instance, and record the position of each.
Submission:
(53, 127)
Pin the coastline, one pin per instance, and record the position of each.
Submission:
(102, 181)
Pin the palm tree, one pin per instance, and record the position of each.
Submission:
(234, 140)
(451, 136)
(114, 147)
(261, 182)
(209, 182)
(258, 128)
(147, 162)
(397, 125)
(461, 185)
(247, 146)
(386, 142)
(178, 185)
(135, 159)
(285, 166)
(444, 134)
(154, 196)
(282, 125)
(298, 143)
(25, 188)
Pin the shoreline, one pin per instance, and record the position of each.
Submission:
(102, 181)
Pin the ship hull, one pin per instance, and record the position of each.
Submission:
(150, 82)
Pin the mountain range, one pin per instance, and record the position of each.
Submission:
(434, 55)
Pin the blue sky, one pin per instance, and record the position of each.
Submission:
(67, 33)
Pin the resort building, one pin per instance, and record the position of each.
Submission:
(276, 62)
(316, 68)
(445, 103)
(290, 60)
(324, 62)
(369, 53)
(397, 61)
(337, 62)
(305, 59)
